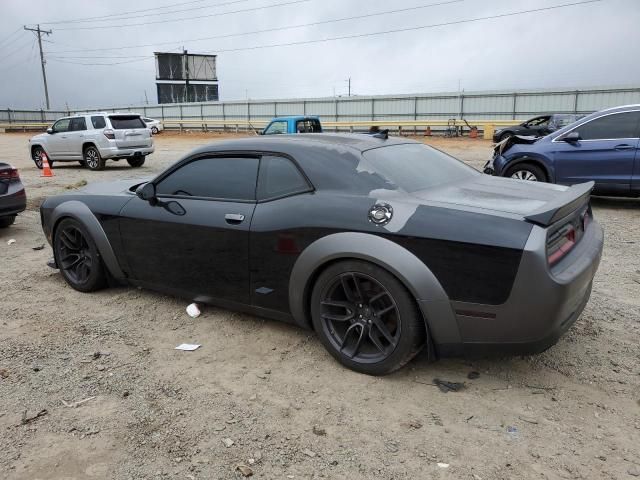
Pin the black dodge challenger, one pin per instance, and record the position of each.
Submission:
(382, 246)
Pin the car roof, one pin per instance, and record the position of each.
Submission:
(296, 117)
(290, 144)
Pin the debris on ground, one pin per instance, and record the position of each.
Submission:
(319, 431)
(443, 465)
(26, 419)
(528, 419)
(513, 432)
(227, 442)
(38, 247)
(78, 403)
(78, 184)
(473, 375)
(188, 347)
(634, 471)
(193, 310)
(446, 386)
(11, 241)
(4, 373)
(244, 470)
(309, 453)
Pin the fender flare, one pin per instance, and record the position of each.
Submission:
(534, 160)
(80, 212)
(404, 265)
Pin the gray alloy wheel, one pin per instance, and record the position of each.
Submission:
(524, 175)
(154, 130)
(92, 158)
(36, 155)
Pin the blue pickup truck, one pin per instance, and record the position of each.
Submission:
(299, 124)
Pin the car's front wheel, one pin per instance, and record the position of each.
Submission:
(366, 318)
(77, 256)
(528, 172)
(92, 158)
(136, 161)
(36, 156)
(6, 221)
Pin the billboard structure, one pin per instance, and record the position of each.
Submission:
(185, 77)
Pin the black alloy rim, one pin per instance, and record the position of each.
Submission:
(360, 317)
(75, 255)
(37, 158)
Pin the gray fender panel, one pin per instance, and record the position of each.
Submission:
(409, 269)
(80, 212)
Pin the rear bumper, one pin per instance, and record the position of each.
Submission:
(119, 152)
(14, 201)
(543, 304)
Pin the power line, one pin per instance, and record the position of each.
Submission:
(408, 29)
(9, 36)
(15, 39)
(127, 16)
(264, 7)
(275, 29)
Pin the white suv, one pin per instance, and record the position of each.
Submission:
(92, 138)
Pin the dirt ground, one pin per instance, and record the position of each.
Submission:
(286, 407)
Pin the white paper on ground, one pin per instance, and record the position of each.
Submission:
(193, 310)
(189, 347)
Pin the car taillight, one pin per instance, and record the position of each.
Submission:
(109, 134)
(560, 243)
(9, 174)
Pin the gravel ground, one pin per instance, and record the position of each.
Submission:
(117, 401)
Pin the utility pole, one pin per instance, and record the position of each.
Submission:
(186, 74)
(349, 86)
(39, 33)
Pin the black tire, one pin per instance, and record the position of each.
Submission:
(504, 136)
(528, 172)
(92, 158)
(36, 156)
(6, 221)
(136, 162)
(77, 257)
(385, 330)
(154, 130)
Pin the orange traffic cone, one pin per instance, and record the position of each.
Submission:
(474, 132)
(46, 169)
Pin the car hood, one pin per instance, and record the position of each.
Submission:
(494, 194)
(40, 136)
(113, 188)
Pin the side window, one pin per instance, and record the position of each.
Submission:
(617, 125)
(77, 124)
(98, 121)
(308, 126)
(279, 177)
(231, 178)
(276, 128)
(62, 125)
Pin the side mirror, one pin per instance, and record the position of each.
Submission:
(147, 192)
(50, 131)
(571, 137)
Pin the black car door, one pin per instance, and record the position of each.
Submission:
(195, 239)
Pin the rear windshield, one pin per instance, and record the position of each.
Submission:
(123, 122)
(411, 167)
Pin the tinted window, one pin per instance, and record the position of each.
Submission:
(98, 122)
(222, 177)
(62, 125)
(77, 124)
(123, 122)
(617, 125)
(278, 177)
(276, 127)
(308, 125)
(410, 168)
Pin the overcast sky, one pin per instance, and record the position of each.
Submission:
(596, 44)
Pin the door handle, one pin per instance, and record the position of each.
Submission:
(234, 218)
(624, 146)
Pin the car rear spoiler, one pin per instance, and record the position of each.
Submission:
(562, 205)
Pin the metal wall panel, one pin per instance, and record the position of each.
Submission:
(495, 104)
(266, 109)
(438, 106)
(545, 103)
(589, 102)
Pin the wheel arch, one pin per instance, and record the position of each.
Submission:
(80, 212)
(431, 298)
(89, 143)
(38, 145)
(538, 162)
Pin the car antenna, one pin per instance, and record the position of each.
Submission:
(383, 134)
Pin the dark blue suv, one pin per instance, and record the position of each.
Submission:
(602, 147)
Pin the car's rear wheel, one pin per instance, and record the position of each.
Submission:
(504, 136)
(154, 130)
(6, 221)
(528, 172)
(36, 156)
(92, 158)
(77, 257)
(366, 318)
(136, 161)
